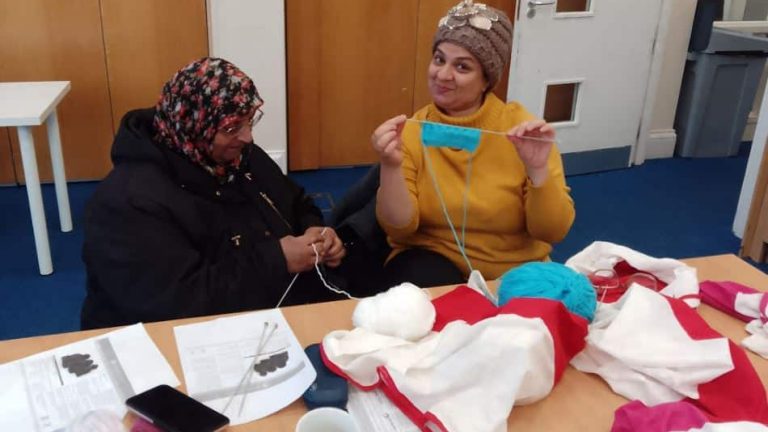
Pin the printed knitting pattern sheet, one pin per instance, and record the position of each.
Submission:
(373, 412)
(48, 391)
(224, 368)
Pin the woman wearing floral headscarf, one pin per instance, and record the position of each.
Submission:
(195, 219)
(504, 203)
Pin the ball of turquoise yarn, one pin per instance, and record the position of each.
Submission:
(552, 281)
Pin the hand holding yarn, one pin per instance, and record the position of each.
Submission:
(387, 142)
(533, 152)
(298, 251)
(332, 245)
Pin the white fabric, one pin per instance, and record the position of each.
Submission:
(403, 311)
(757, 341)
(742, 426)
(748, 304)
(641, 350)
(680, 278)
(456, 374)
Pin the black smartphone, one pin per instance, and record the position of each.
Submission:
(173, 411)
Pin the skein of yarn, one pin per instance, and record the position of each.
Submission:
(552, 281)
(403, 311)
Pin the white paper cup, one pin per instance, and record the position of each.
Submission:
(326, 419)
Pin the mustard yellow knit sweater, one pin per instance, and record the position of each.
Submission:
(508, 221)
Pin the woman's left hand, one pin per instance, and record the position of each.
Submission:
(533, 153)
(332, 245)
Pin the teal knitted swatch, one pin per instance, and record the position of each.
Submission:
(551, 281)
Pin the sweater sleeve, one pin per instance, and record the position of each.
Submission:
(141, 260)
(549, 210)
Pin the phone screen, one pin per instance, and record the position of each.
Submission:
(174, 411)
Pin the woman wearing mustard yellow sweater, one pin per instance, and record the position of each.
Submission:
(446, 209)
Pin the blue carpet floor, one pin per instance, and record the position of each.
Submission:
(673, 207)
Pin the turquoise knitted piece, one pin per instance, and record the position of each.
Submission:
(552, 281)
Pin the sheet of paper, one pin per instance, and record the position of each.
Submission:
(373, 412)
(48, 391)
(216, 356)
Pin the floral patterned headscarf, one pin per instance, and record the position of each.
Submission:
(195, 103)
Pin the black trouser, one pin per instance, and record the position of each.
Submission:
(422, 268)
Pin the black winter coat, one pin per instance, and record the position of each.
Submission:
(164, 240)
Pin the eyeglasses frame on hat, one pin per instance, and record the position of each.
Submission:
(235, 129)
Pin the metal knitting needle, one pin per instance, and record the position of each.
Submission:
(250, 371)
(532, 138)
(245, 375)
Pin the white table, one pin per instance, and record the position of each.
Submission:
(28, 104)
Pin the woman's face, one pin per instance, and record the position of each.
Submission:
(233, 134)
(456, 80)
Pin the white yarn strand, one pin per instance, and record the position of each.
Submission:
(327, 284)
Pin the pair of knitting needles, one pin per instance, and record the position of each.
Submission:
(266, 335)
(532, 138)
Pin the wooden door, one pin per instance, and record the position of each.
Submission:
(61, 41)
(7, 170)
(146, 41)
(350, 67)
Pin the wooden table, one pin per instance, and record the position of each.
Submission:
(28, 104)
(580, 402)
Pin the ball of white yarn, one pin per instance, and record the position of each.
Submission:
(403, 311)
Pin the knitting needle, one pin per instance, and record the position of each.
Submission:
(245, 375)
(250, 370)
(532, 138)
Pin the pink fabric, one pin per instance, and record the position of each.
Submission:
(141, 425)
(722, 296)
(674, 416)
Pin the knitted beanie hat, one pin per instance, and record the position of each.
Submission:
(484, 31)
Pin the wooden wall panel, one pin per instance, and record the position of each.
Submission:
(146, 42)
(302, 32)
(366, 74)
(430, 12)
(53, 41)
(350, 68)
(7, 170)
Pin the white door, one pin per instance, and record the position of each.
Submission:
(597, 61)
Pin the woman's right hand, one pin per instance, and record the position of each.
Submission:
(298, 251)
(386, 140)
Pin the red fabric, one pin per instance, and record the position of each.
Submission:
(410, 410)
(736, 395)
(568, 330)
(462, 303)
(389, 388)
(624, 273)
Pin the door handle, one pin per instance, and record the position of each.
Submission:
(534, 3)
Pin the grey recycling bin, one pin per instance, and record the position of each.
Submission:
(719, 86)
